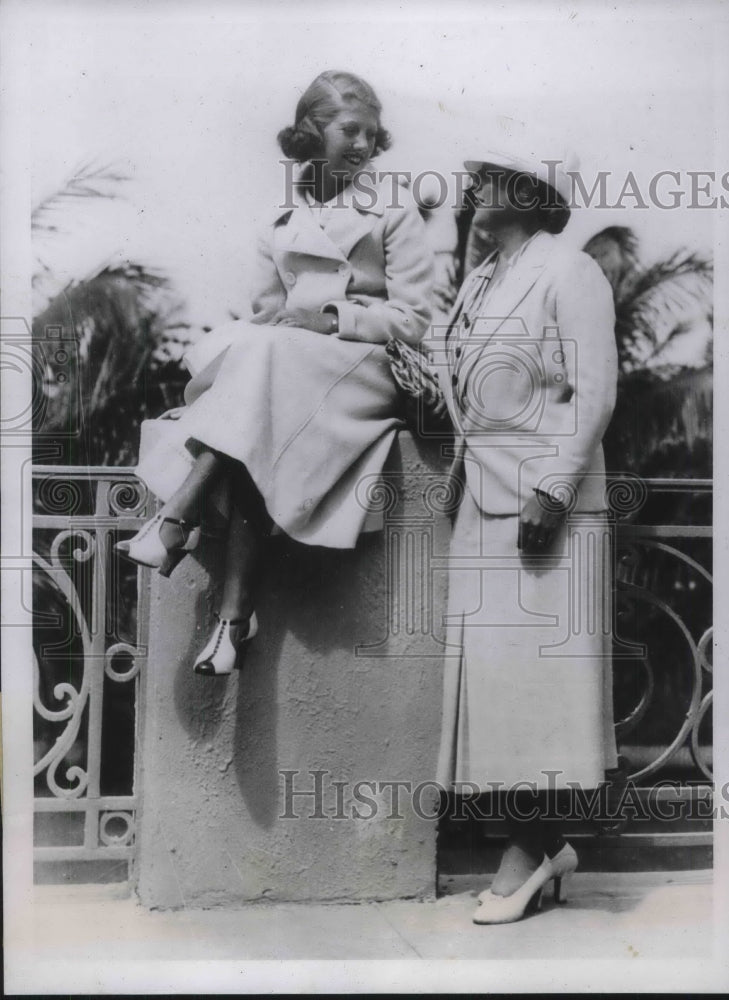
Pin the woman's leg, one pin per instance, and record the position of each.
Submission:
(188, 502)
(162, 542)
(242, 564)
(248, 527)
(535, 829)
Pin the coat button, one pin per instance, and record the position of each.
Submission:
(454, 380)
(290, 278)
(459, 351)
(466, 320)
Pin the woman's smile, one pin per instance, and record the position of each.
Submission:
(349, 141)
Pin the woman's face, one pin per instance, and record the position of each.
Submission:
(491, 197)
(349, 141)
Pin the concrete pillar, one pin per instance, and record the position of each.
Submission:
(341, 686)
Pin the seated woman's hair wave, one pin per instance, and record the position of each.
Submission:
(318, 105)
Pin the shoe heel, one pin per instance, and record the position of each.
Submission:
(252, 633)
(193, 539)
(535, 903)
(122, 547)
(171, 560)
(560, 888)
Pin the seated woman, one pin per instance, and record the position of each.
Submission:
(293, 408)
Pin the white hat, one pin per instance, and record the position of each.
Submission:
(529, 155)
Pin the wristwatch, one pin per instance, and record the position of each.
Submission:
(335, 319)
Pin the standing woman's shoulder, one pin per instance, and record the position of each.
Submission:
(572, 269)
(581, 291)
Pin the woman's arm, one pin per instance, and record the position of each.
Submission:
(586, 322)
(269, 294)
(406, 312)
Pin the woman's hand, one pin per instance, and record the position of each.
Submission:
(309, 319)
(541, 518)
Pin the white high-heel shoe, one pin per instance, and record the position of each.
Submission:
(564, 864)
(221, 652)
(494, 909)
(146, 548)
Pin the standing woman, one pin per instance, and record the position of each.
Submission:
(530, 377)
(290, 410)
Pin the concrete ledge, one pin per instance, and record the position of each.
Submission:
(344, 679)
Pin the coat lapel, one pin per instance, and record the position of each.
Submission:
(298, 232)
(514, 288)
(352, 217)
(486, 322)
(348, 226)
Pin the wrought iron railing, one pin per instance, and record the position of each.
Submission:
(90, 638)
(90, 622)
(663, 591)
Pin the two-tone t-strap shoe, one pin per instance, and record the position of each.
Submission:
(220, 655)
(146, 548)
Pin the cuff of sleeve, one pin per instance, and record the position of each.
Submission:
(346, 315)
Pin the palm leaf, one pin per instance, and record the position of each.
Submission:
(87, 180)
(117, 319)
(662, 424)
(616, 251)
(661, 302)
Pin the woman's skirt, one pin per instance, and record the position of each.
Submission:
(528, 679)
(311, 417)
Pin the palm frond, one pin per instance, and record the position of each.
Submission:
(87, 180)
(662, 425)
(616, 251)
(662, 302)
(115, 321)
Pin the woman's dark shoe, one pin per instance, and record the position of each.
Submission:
(220, 654)
(146, 548)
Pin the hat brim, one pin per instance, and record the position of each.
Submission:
(511, 164)
(499, 161)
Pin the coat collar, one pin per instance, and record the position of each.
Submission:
(515, 284)
(519, 279)
(353, 213)
(533, 254)
(368, 194)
